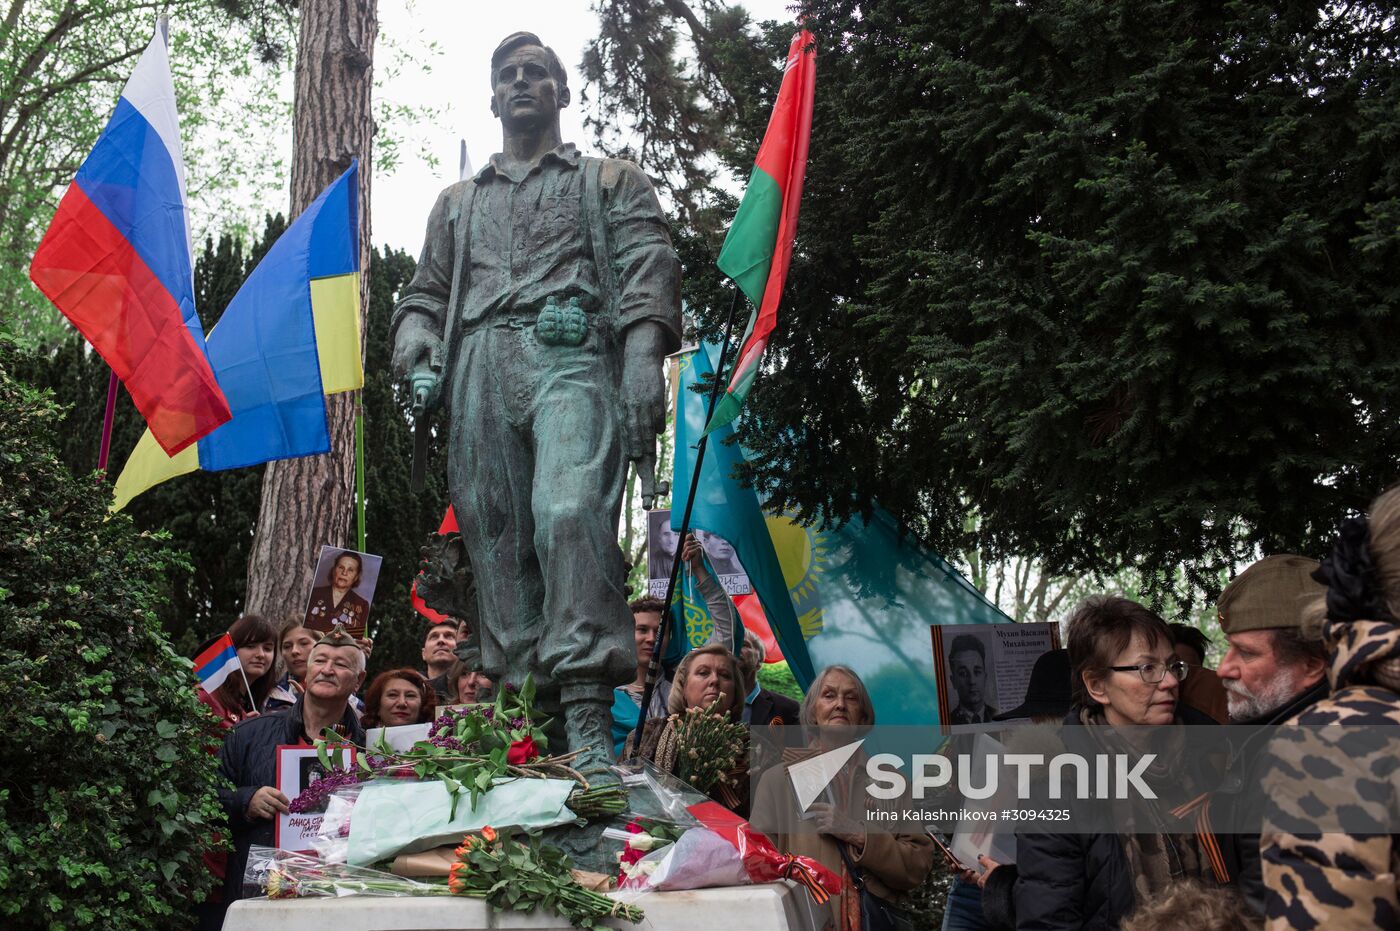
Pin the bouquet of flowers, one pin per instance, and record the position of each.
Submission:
(469, 748)
(702, 747)
(525, 875)
(281, 874)
(641, 836)
(316, 797)
(712, 846)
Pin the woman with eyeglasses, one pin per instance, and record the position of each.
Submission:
(1125, 677)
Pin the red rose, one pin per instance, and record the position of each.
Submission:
(522, 751)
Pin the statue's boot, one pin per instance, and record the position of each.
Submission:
(587, 723)
(588, 726)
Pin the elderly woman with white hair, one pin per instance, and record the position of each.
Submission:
(838, 706)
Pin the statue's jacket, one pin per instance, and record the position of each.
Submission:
(585, 232)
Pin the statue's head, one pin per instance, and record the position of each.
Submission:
(528, 82)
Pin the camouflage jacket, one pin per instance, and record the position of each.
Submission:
(1337, 881)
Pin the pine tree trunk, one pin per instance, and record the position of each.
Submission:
(310, 501)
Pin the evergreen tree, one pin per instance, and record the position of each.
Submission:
(1114, 279)
(396, 521)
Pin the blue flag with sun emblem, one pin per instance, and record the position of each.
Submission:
(860, 594)
(692, 625)
(726, 508)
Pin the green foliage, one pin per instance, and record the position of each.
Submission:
(646, 99)
(1115, 279)
(108, 798)
(777, 677)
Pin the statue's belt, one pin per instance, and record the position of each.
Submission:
(555, 324)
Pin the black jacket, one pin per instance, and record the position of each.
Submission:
(248, 760)
(770, 705)
(1076, 881)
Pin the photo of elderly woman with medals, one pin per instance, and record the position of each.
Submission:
(346, 590)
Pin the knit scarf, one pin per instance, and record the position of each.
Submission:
(1157, 859)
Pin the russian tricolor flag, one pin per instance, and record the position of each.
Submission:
(218, 661)
(117, 260)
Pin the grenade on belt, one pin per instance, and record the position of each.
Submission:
(561, 326)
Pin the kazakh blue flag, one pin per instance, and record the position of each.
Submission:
(859, 594)
(724, 507)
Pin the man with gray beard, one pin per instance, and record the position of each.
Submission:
(1271, 672)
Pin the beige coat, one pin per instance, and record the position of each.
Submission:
(890, 863)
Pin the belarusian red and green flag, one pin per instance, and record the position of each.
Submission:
(758, 248)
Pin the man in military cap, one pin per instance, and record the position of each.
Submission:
(248, 758)
(546, 297)
(1271, 672)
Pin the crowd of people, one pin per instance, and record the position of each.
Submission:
(1305, 642)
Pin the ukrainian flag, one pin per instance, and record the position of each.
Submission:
(289, 337)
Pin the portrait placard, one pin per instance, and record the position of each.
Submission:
(661, 544)
(982, 669)
(297, 768)
(342, 590)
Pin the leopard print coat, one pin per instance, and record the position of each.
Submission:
(1337, 881)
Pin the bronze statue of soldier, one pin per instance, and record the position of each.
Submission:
(546, 298)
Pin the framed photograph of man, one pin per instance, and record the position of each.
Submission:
(661, 544)
(980, 669)
(342, 590)
(297, 768)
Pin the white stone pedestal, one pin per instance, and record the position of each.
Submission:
(768, 907)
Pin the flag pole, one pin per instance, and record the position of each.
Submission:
(360, 469)
(107, 418)
(653, 669)
(252, 702)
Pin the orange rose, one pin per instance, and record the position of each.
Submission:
(489, 834)
(456, 878)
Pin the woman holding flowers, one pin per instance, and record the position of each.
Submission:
(836, 710)
(703, 740)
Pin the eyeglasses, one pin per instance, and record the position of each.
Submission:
(1153, 673)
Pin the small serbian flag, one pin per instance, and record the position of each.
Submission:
(218, 661)
(117, 260)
